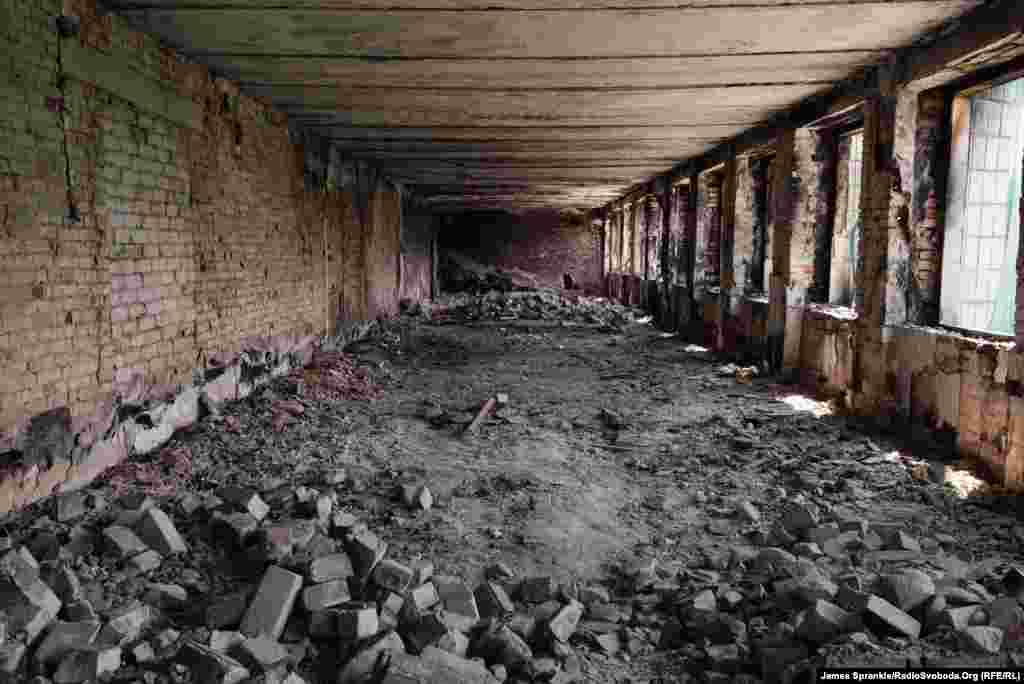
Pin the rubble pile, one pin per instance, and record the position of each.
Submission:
(458, 273)
(100, 590)
(333, 375)
(535, 305)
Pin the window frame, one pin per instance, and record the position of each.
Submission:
(969, 85)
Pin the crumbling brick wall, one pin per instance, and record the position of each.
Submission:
(545, 243)
(151, 215)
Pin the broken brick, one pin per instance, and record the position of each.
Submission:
(269, 610)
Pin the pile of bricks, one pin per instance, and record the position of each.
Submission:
(96, 590)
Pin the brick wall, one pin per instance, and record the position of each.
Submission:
(152, 216)
(545, 243)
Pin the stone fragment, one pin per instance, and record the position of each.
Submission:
(392, 576)
(123, 542)
(960, 617)
(564, 623)
(807, 550)
(822, 622)
(1005, 613)
(12, 654)
(820, 534)
(209, 667)
(126, 625)
(499, 572)
(88, 666)
(64, 582)
(454, 642)
(538, 589)
(63, 638)
(260, 654)
(145, 562)
(748, 512)
(456, 598)
(235, 528)
(609, 643)
(143, 653)
(492, 601)
(881, 614)
(797, 517)
(30, 605)
(166, 595)
(71, 506)
(435, 666)
(223, 640)
(357, 623)
(157, 530)
(325, 595)
(982, 639)
(904, 542)
(426, 631)
(245, 500)
(424, 597)
(909, 589)
(499, 644)
(80, 610)
(365, 550)
(335, 566)
(227, 611)
(807, 582)
(593, 593)
(364, 663)
(391, 611)
(269, 610)
(417, 496)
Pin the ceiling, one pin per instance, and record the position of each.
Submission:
(534, 103)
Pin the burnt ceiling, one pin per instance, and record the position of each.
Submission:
(527, 103)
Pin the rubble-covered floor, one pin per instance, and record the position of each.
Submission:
(669, 521)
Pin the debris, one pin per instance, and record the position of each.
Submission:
(481, 415)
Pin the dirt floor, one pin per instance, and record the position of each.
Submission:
(614, 449)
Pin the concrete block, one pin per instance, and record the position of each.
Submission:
(563, 624)
(88, 666)
(879, 613)
(325, 595)
(493, 601)
(260, 654)
(335, 566)
(210, 667)
(123, 542)
(157, 530)
(363, 664)
(392, 576)
(245, 500)
(268, 613)
(126, 625)
(457, 598)
(63, 638)
(357, 623)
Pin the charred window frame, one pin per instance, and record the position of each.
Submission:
(761, 168)
(836, 242)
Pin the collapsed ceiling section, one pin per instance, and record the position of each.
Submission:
(527, 103)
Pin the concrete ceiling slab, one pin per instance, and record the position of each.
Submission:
(534, 102)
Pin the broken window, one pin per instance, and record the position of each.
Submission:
(979, 279)
(761, 176)
(846, 222)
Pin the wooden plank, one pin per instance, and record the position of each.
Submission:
(567, 134)
(493, 5)
(604, 33)
(739, 105)
(676, 72)
(115, 76)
